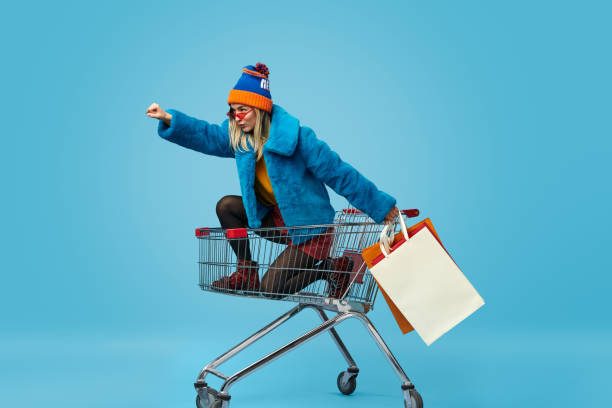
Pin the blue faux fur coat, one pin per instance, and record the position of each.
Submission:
(298, 166)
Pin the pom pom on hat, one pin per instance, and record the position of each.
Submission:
(262, 69)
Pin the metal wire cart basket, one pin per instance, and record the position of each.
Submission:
(339, 282)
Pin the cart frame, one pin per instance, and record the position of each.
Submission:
(352, 304)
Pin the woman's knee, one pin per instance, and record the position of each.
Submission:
(229, 204)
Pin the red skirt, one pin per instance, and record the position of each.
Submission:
(318, 247)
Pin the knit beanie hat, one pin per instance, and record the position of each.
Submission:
(253, 88)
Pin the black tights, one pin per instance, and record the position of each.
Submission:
(291, 272)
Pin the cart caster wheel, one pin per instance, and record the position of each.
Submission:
(215, 404)
(347, 387)
(416, 401)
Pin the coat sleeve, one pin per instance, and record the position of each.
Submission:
(343, 178)
(197, 134)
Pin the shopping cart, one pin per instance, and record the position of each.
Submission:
(313, 288)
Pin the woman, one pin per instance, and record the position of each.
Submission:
(282, 168)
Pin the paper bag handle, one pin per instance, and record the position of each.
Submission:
(385, 237)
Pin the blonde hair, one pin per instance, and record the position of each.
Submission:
(257, 137)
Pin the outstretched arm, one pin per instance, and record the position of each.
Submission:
(344, 179)
(192, 133)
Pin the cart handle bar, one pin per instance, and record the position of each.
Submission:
(242, 232)
(408, 213)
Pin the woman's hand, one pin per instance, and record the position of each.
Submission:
(393, 213)
(155, 111)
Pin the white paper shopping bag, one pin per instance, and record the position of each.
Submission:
(425, 283)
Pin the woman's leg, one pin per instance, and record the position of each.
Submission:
(294, 270)
(231, 214)
(291, 272)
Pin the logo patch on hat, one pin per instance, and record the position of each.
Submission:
(265, 84)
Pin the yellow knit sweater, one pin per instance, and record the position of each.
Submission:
(263, 187)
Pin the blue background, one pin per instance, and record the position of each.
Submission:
(492, 118)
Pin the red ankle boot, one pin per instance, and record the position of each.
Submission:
(245, 277)
(339, 281)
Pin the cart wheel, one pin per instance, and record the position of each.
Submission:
(346, 387)
(415, 399)
(216, 404)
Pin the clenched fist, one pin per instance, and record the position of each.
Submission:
(155, 111)
(391, 215)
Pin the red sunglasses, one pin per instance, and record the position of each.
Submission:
(239, 116)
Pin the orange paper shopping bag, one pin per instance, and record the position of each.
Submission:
(424, 286)
(373, 254)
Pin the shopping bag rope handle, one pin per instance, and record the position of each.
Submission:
(386, 234)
